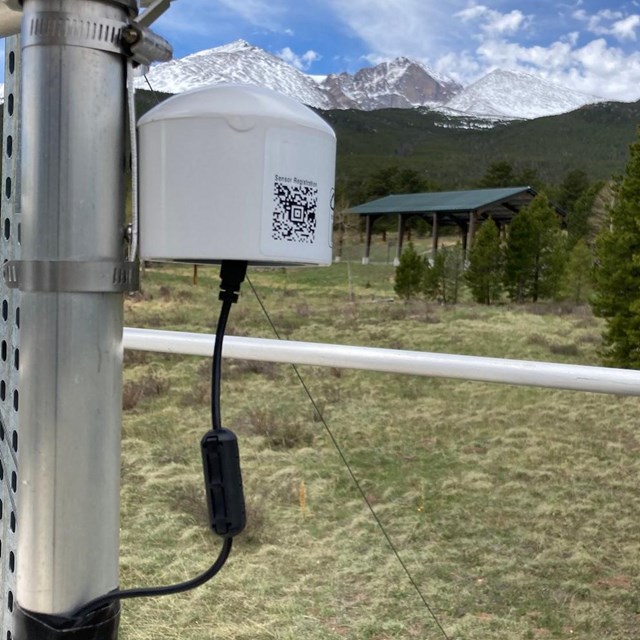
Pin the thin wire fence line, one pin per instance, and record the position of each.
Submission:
(354, 478)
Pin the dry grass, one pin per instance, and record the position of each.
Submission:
(146, 386)
(515, 509)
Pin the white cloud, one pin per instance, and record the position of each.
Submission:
(472, 12)
(590, 51)
(607, 14)
(492, 21)
(300, 62)
(462, 67)
(265, 13)
(417, 28)
(610, 23)
(626, 29)
(467, 39)
(596, 68)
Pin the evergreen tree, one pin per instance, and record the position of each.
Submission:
(528, 177)
(380, 183)
(453, 273)
(409, 273)
(392, 179)
(499, 174)
(433, 277)
(578, 219)
(578, 276)
(575, 183)
(484, 272)
(534, 256)
(618, 269)
(410, 181)
(442, 278)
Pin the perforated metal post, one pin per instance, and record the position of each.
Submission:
(73, 99)
(9, 337)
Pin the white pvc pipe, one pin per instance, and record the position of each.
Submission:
(519, 372)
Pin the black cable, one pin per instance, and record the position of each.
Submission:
(216, 365)
(232, 273)
(146, 592)
(356, 482)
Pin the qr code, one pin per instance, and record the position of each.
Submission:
(294, 212)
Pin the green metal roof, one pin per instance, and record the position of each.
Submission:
(447, 201)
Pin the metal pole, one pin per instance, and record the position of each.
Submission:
(71, 358)
(9, 323)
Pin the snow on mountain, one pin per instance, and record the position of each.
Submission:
(514, 94)
(237, 62)
(401, 83)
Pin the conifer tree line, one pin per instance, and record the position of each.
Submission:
(533, 259)
(595, 259)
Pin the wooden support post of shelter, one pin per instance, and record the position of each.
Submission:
(401, 221)
(463, 229)
(473, 218)
(369, 220)
(434, 235)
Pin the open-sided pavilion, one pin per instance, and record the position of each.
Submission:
(464, 209)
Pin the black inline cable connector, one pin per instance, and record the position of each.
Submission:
(221, 466)
(220, 456)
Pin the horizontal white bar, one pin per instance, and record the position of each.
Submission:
(519, 372)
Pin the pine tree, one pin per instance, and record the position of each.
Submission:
(575, 183)
(578, 276)
(484, 273)
(409, 273)
(442, 278)
(618, 269)
(432, 284)
(453, 273)
(579, 216)
(499, 174)
(534, 256)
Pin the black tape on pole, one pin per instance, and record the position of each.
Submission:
(98, 625)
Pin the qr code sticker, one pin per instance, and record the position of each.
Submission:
(294, 212)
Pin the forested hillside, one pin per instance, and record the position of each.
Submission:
(594, 139)
(455, 153)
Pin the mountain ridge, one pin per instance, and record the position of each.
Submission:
(401, 83)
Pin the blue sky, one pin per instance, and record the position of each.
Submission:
(587, 45)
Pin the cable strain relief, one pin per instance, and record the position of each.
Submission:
(232, 274)
(228, 296)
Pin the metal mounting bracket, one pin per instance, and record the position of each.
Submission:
(153, 12)
(72, 276)
(133, 39)
(55, 27)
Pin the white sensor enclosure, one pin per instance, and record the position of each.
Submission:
(236, 172)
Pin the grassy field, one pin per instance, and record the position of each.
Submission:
(515, 509)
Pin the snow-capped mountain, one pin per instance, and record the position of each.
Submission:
(401, 83)
(238, 62)
(514, 94)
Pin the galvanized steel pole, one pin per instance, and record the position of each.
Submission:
(73, 99)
